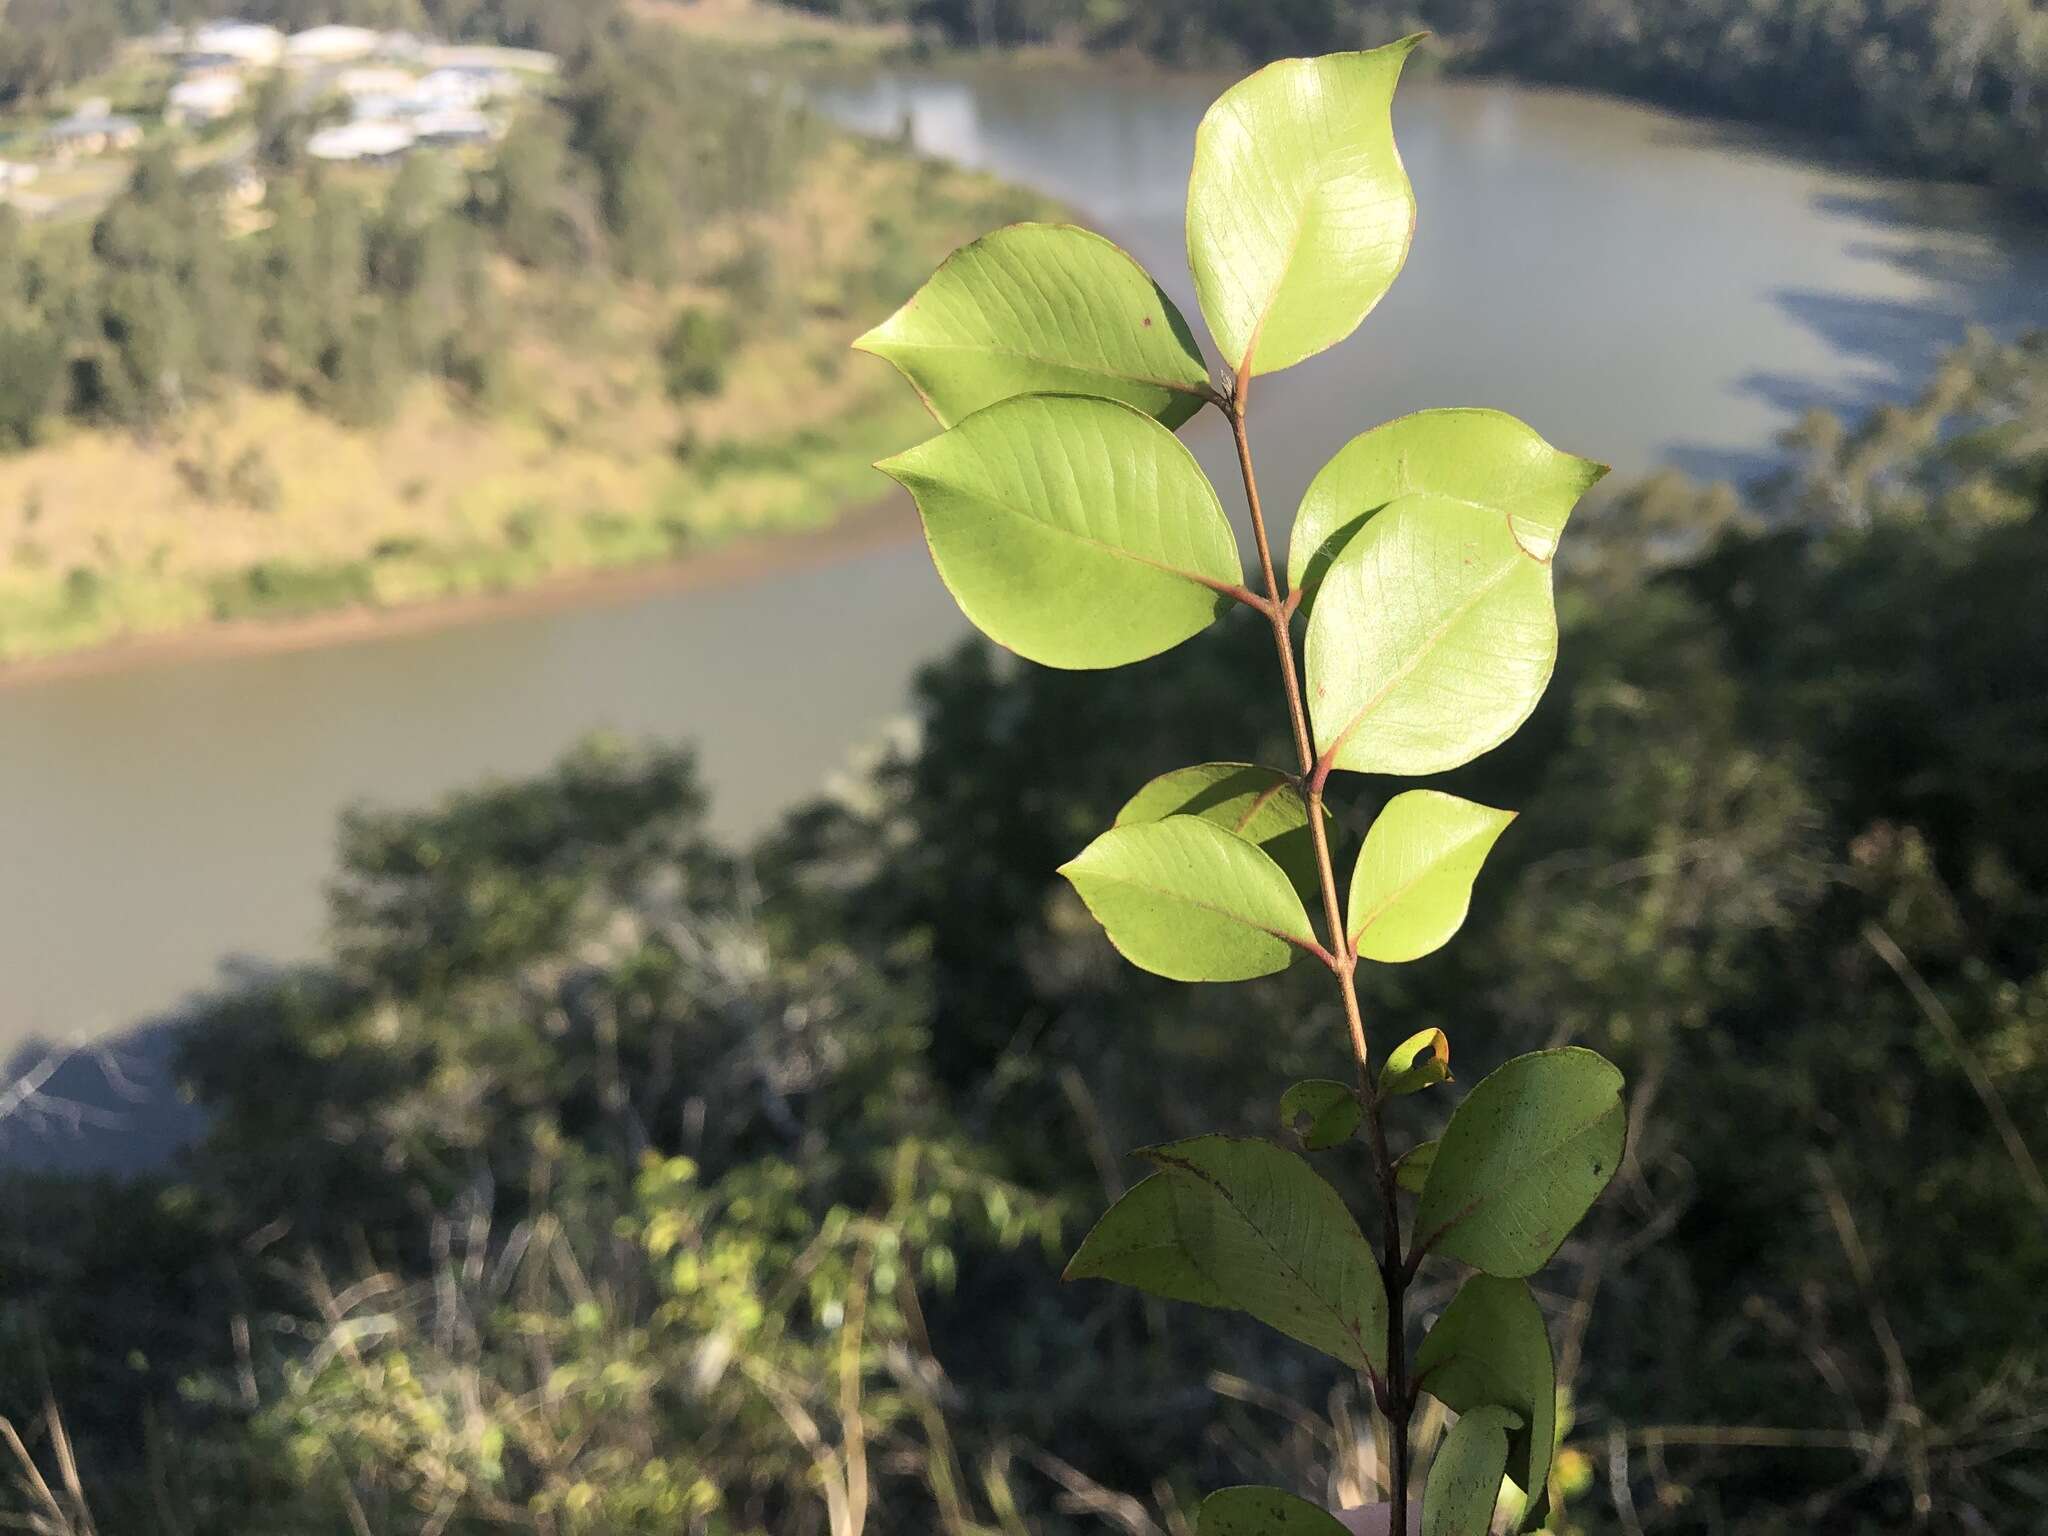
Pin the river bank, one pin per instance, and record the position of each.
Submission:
(873, 526)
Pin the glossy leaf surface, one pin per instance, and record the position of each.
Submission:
(1079, 533)
(1043, 309)
(1490, 1348)
(1464, 1479)
(1263, 1512)
(1432, 639)
(1277, 1242)
(1185, 899)
(1323, 1112)
(1485, 457)
(1299, 211)
(1260, 805)
(1413, 882)
(1522, 1160)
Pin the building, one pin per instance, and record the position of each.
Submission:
(16, 174)
(206, 98)
(93, 129)
(455, 127)
(488, 59)
(362, 143)
(373, 80)
(332, 45)
(244, 43)
(456, 90)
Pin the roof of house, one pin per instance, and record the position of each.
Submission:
(361, 141)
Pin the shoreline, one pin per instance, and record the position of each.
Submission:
(863, 529)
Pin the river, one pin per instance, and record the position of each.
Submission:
(1646, 288)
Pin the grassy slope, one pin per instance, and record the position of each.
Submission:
(583, 465)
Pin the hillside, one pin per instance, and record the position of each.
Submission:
(617, 337)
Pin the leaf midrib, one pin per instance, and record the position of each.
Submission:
(1196, 391)
(1347, 1329)
(1022, 514)
(1405, 887)
(1299, 941)
(1434, 639)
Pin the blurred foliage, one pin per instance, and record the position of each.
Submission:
(603, 1180)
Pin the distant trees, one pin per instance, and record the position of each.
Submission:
(349, 289)
(1947, 87)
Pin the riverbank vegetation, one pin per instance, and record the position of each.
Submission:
(603, 1179)
(1946, 88)
(618, 337)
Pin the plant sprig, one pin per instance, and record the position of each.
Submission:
(1073, 527)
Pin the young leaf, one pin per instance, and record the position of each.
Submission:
(1185, 899)
(1263, 1512)
(1258, 804)
(1277, 1241)
(1079, 533)
(1413, 882)
(1432, 639)
(1484, 457)
(1464, 1480)
(1490, 1348)
(1421, 1061)
(1523, 1158)
(1299, 211)
(1332, 1109)
(1043, 309)
(1136, 1244)
(1411, 1169)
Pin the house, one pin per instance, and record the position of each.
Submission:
(242, 43)
(361, 143)
(15, 174)
(447, 129)
(93, 129)
(455, 90)
(332, 45)
(489, 59)
(360, 82)
(204, 98)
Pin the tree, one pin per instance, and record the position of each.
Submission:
(1072, 526)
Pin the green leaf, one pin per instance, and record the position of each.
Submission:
(1079, 533)
(1276, 1240)
(1432, 639)
(1413, 883)
(1523, 1158)
(1490, 1348)
(1135, 1244)
(1421, 1061)
(1185, 899)
(1484, 457)
(1299, 211)
(1464, 1479)
(1332, 1110)
(1411, 1169)
(1263, 1512)
(1043, 309)
(1259, 804)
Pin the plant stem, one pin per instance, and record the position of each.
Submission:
(1395, 1401)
